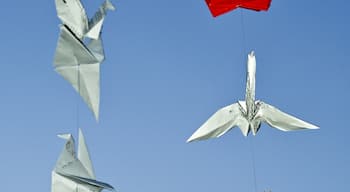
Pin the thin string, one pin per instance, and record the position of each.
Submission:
(253, 162)
(243, 33)
(251, 140)
(78, 97)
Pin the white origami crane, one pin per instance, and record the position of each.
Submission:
(77, 62)
(75, 174)
(248, 115)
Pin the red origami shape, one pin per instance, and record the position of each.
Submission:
(219, 7)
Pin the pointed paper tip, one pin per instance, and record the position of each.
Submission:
(109, 5)
(310, 126)
(80, 132)
(192, 138)
(314, 127)
(96, 117)
(64, 136)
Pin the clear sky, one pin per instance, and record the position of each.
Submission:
(169, 66)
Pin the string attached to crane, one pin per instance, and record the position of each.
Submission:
(243, 33)
(251, 139)
(78, 98)
(253, 162)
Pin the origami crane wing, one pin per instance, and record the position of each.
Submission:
(71, 51)
(72, 14)
(80, 66)
(219, 7)
(91, 182)
(280, 120)
(221, 122)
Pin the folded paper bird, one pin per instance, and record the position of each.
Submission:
(75, 173)
(248, 115)
(79, 51)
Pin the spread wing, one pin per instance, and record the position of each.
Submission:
(72, 14)
(80, 66)
(280, 120)
(221, 122)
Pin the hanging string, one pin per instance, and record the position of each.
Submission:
(253, 162)
(243, 33)
(251, 139)
(78, 96)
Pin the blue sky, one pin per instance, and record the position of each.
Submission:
(169, 66)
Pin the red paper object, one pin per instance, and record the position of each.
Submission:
(219, 7)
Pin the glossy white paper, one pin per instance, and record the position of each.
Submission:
(75, 173)
(79, 62)
(248, 115)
